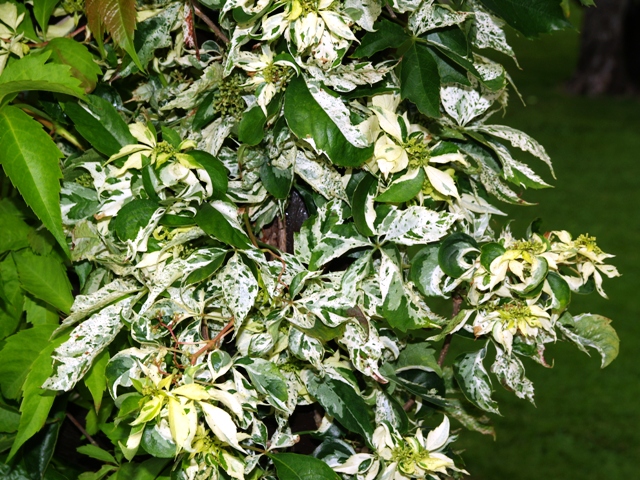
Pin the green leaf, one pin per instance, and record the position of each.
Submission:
(30, 159)
(100, 124)
(132, 217)
(420, 356)
(9, 419)
(489, 252)
(216, 170)
(530, 17)
(17, 356)
(342, 402)
(420, 80)
(306, 118)
(423, 266)
(561, 292)
(387, 34)
(37, 402)
(11, 297)
(206, 111)
(205, 272)
(95, 380)
(426, 384)
(362, 205)
(474, 380)
(404, 188)
(453, 251)
(292, 466)
(118, 17)
(39, 313)
(33, 73)
(42, 10)
(251, 127)
(15, 230)
(215, 224)
(44, 278)
(277, 181)
(97, 453)
(39, 451)
(267, 379)
(593, 331)
(65, 51)
(156, 444)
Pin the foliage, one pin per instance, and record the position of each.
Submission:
(191, 340)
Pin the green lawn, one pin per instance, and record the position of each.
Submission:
(587, 423)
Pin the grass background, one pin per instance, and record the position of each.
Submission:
(587, 421)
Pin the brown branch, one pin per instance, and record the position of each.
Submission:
(82, 430)
(213, 343)
(216, 30)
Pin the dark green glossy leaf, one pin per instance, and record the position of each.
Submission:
(100, 124)
(420, 80)
(452, 252)
(277, 181)
(425, 384)
(489, 252)
(342, 402)
(292, 466)
(561, 291)
(206, 111)
(530, 17)
(205, 272)
(307, 119)
(404, 188)
(216, 170)
(39, 450)
(251, 127)
(215, 224)
(450, 71)
(362, 204)
(15, 230)
(97, 453)
(132, 217)
(267, 380)
(156, 445)
(387, 34)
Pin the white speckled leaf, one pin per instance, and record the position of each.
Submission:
(487, 32)
(241, 287)
(347, 77)
(338, 112)
(305, 347)
(464, 104)
(320, 175)
(510, 371)
(369, 11)
(510, 164)
(416, 225)
(73, 358)
(518, 139)
(474, 380)
(84, 305)
(403, 6)
(335, 243)
(430, 16)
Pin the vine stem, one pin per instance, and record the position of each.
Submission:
(213, 343)
(210, 24)
(82, 430)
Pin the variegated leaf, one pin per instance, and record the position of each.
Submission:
(510, 371)
(474, 381)
(241, 287)
(74, 357)
(415, 225)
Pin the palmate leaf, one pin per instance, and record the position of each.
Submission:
(118, 18)
(30, 159)
(66, 51)
(34, 73)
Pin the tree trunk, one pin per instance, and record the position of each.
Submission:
(608, 61)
